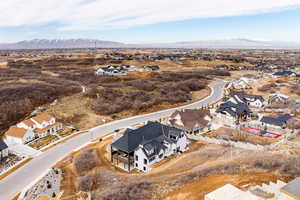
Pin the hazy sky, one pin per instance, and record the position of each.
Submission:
(150, 20)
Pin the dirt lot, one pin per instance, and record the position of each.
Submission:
(240, 136)
(189, 175)
(197, 190)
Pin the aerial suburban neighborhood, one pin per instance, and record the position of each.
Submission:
(154, 115)
(178, 100)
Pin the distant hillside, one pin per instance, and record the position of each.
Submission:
(229, 43)
(87, 43)
(57, 44)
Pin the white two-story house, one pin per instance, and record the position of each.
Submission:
(36, 127)
(140, 148)
(248, 99)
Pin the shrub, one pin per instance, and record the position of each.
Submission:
(85, 183)
(135, 191)
(86, 161)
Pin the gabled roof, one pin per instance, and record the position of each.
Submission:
(245, 98)
(153, 148)
(278, 121)
(151, 131)
(233, 109)
(190, 119)
(15, 131)
(2, 145)
(284, 73)
(29, 123)
(42, 118)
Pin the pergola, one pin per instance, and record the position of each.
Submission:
(122, 159)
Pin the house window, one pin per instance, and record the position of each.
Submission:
(144, 168)
(145, 161)
(136, 158)
(151, 159)
(136, 165)
(160, 156)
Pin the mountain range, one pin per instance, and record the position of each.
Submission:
(88, 43)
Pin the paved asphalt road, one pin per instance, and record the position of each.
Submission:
(22, 177)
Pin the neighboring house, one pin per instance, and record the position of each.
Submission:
(3, 149)
(151, 67)
(142, 147)
(248, 99)
(284, 74)
(278, 98)
(191, 120)
(230, 113)
(16, 135)
(279, 122)
(251, 77)
(239, 84)
(111, 70)
(36, 127)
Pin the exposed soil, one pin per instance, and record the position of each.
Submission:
(189, 175)
(197, 190)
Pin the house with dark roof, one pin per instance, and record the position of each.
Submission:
(3, 149)
(284, 74)
(151, 67)
(142, 147)
(247, 99)
(278, 98)
(112, 70)
(229, 113)
(239, 84)
(191, 121)
(275, 122)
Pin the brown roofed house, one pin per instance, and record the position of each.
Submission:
(191, 120)
(16, 132)
(42, 118)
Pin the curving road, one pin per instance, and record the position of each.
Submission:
(24, 176)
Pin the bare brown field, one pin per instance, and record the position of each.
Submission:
(188, 175)
(197, 190)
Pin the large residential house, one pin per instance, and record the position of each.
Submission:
(278, 98)
(3, 149)
(36, 127)
(248, 99)
(275, 123)
(142, 147)
(151, 67)
(239, 84)
(112, 70)
(284, 74)
(229, 113)
(191, 121)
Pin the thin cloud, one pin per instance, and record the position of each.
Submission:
(114, 14)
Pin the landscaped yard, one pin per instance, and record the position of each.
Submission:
(43, 141)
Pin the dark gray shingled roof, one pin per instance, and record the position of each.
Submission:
(233, 109)
(145, 134)
(245, 98)
(293, 188)
(283, 73)
(278, 121)
(2, 145)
